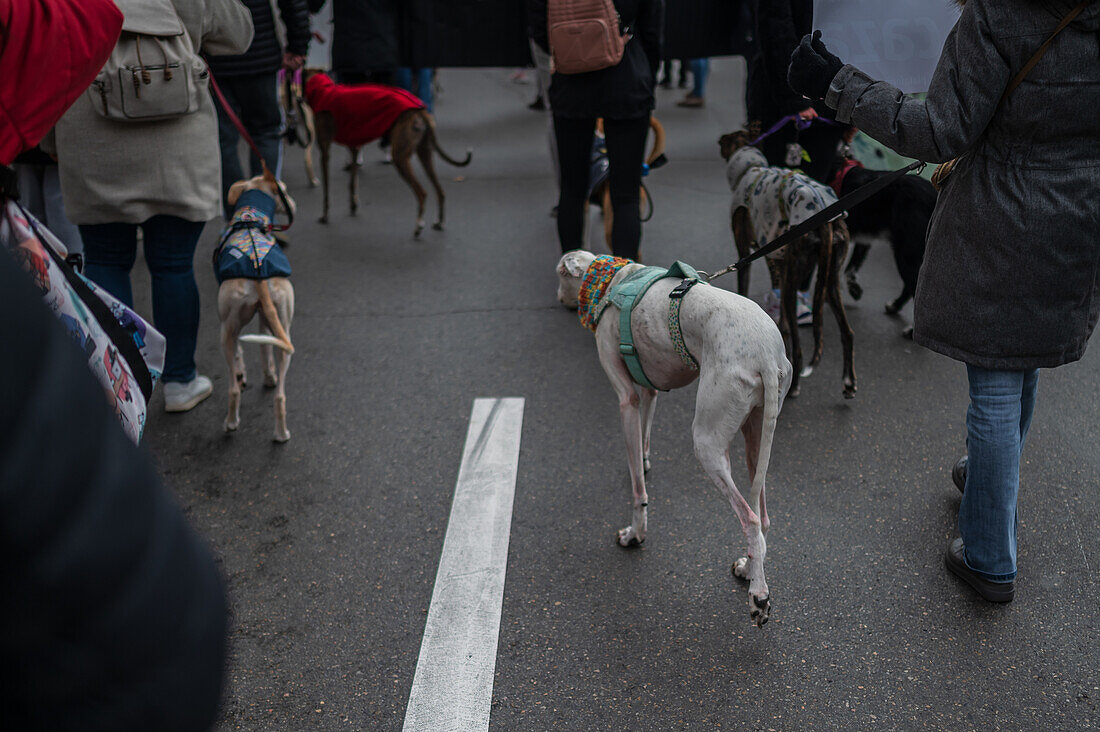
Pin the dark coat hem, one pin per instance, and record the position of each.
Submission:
(1000, 363)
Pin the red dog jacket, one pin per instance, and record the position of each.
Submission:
(363, 112)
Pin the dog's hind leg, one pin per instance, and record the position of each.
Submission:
(424, 152)
(824, 260)
(648, 406)
(859, 256)
(836, 302)
(608, 215)
(788, 319)
(267, 353)
(719, 406)
(404, 168)
(630, 414)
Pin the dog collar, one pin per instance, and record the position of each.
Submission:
(845, 169)
(597, 278)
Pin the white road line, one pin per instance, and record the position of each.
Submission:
(453, 685)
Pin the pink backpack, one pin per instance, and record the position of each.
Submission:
(585, 35)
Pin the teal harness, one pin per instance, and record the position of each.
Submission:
(626, 294)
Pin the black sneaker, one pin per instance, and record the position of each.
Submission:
(958, 473)
(991, 591)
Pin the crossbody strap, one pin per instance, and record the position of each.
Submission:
(1019, 78)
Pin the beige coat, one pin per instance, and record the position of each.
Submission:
(127, 172)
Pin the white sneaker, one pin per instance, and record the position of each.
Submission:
(805, 310)
(771, 305)
(182, 397)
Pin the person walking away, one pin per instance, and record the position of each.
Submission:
(40, 193)
(1022, 198)
(696, 98)
(623, 96)
(250, 85)
(162, 176)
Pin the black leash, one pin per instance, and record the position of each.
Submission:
(823, 216)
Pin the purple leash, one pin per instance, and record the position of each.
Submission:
(801, 124)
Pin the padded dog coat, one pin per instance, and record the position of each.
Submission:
(248, 249)
(362, 112)
(777, 198)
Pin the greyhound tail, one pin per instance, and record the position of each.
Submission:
(280, 339)
(767, 432)
(438, 149)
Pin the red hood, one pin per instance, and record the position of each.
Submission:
(50, 51)
(362, 112)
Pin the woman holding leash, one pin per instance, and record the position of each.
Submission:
(1011, 276)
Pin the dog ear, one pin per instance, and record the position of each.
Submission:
(570, 265)
(235, 191)
(754, 129)
(728, 144)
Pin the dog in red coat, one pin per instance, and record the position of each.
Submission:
(355, 115)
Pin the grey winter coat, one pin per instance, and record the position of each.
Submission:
(1011, 276)
(128, 172)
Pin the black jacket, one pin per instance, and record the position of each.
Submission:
(265, 55)
(112, 614)
(365, 36)
(780, 25)
(624, 91)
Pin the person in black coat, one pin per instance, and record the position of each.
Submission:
(780, 25)
(623, 96)
(249, 84)
(365, 40)
(112, 612)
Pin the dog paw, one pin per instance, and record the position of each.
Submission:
(437, 226)
(646, 465)
(806, 371)
(760, 608)
(740, 568)
(892, 309)
(628, 538)
(794, 392)
(323, 220)
(231, 426)
(281, 435)
(855, 289)
(907, 334)
(271, 380)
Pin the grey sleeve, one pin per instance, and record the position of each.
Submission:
(226, 28)
(966, 90)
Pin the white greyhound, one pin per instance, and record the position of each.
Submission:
(743, 376)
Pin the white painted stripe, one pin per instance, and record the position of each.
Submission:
(453, 685)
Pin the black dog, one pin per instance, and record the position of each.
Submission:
(902, 210)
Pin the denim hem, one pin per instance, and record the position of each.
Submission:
(998, 578)
(177, 380)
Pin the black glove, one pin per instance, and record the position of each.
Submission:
(812, 68)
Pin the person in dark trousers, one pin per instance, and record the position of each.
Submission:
(780, 25)
(365, 36)
(250, 86)
(1011, 276)
(623, 96)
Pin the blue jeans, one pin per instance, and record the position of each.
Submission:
(255, 100)
(700, 69)
(1001, 406)
(403, 78)
(110, 251)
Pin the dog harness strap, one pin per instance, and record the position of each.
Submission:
(675, 301)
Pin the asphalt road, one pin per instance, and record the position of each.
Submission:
(330, 543)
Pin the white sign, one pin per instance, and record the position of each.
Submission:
(898, 41)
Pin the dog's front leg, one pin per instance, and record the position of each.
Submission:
(648, 407)
(630, 413)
